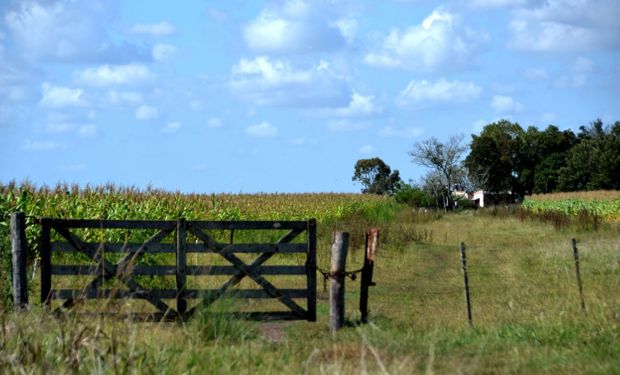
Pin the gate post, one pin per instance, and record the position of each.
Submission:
(311, 270)
(19, 251)
(46, 263)
(181, 267)
(336, 280)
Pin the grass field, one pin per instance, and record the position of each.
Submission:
(526, 312)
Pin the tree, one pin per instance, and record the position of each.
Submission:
(442, 158)
(594, 162)
(495, 157)
(376, 177)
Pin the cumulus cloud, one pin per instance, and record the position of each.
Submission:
(298, 26)
(439, 91)
(115, 97)
(214, 122)
(567, 26)
(145, 113)
(506, 104)
(499, 3)
(440, 42)
(171, 127)
(109, 75)
(262, 130)
(40, 145)
(87, 131)
(276, 82)
(72, 31)
(536, 74)
(360, 106)
(578, 73)
(162, 28)
(163, 51)
(59, 96)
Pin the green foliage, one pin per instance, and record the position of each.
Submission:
(606, 209)
(376, 177)
(414, 196)
(111, 202)
(506, 158)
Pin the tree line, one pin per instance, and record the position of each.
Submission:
(504, 159)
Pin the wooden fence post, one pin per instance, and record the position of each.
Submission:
(181, 267)
(466, 283)
(46, 263)
(372, 239)
(311, 270)
(579, 285)
(19, 251)
(336, 280)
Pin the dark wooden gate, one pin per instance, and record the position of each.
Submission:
(171, 237)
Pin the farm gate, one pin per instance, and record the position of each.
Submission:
(124, 263)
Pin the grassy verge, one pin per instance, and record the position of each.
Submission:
(526, 313)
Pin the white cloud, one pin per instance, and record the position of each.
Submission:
(578, 74)
(171, 127)
(124, 97)
(59, 96)
(262, 130)
(360, 106)
(439, 42)
(214, 122)
(154, 29)
(87, 131)
(499, 3)
(72, 31)
(163, 52)
(396, 132)
(40, 145)
(439, 91)
(59, 127)
(106, 75)
(536, 74)
(145, 112)
(367, 149)
(297, 141)
(298, 26)
(276, 82)
(567, 26)
(506, 104)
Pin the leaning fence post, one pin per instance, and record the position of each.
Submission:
(336, 280)
(181, 267)
(579, 285)
(372, 239)
(466, 283)
(19, 251)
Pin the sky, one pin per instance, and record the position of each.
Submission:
(285, 96)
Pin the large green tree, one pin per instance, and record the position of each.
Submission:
(594, 162)
(376, 177)
(495, 156)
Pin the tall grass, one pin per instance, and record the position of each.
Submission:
(527, 317)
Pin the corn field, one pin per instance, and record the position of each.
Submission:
(603, 204)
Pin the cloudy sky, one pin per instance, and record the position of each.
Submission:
(285, 96)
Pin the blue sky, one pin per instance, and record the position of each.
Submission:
(285, 96)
